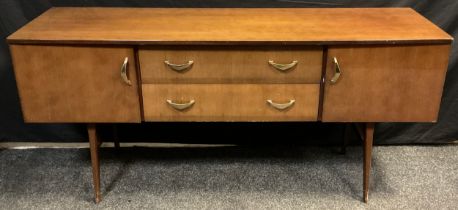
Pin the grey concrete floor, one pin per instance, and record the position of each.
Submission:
(269, 177)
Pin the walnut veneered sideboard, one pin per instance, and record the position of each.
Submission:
(113, 65)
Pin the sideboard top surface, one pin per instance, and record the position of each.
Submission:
(228, 26)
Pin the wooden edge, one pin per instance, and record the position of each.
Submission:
(322, 82)
(10, 37)
(203, 42)
(449, 37)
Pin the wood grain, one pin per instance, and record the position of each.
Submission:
(230, 26)
(75, 84)
(216, 64)
(385, 83)
(95, 162)
(367, 153)
(219, 102)
(393, 64)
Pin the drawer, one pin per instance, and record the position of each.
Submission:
(230, 102)
(229, 64)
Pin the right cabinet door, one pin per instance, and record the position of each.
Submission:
(384, 83)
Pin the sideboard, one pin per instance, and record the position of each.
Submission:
(133, 65)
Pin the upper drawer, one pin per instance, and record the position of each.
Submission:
(229, 64)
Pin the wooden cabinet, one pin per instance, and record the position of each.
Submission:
(379, 83)
(107, 65)
(76, 83)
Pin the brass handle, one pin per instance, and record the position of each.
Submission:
(124, 72)
(283, 67)
(179, 67)
(180, 106)
(281, 106)
(337, 71)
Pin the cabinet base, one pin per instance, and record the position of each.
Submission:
(366, 133)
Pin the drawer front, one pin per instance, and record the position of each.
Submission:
(385, 83)
(230, 102)
(76, 84)
(216, 64)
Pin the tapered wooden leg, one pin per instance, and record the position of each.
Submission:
(115, 137)
(94, 146)
(368, 140)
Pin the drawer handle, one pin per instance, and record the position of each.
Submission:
(180, 106)
(124, 71)
(281, 106)
(179, 67)
(337, 71)
(283, 67)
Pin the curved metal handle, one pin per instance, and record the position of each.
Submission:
(179, 67)
(337, 72)
(180, 106)
(124, 72)
(281, 106)
(283, 67)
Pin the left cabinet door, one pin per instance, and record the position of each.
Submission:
(76, 83)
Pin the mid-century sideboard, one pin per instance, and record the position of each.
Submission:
(132, 65)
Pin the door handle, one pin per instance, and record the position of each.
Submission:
(337, 71)
(283, 67)
(281, 106)
(180, 106)
(179, 67)
(124, 71)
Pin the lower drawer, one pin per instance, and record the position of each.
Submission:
(230, 102)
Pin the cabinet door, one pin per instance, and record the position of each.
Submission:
(76, 84)
(385, 83)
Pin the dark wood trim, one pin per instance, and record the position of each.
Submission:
(322, 82)
(130, 42)
(139, 81)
